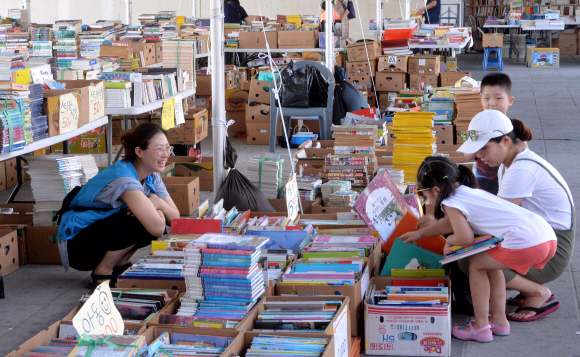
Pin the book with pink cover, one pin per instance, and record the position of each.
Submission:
(381, 205)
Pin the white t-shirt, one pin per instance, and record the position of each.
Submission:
(489, 214)
(541, 193)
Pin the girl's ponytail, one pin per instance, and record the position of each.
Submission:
(447, 189)
(467, 178)
(522, 131)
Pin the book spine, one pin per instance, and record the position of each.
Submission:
(224, 271)
(228, 276)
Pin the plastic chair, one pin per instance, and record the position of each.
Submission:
(492, 63)
(323, 113)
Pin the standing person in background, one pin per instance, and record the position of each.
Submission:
(341, 8)
(234, 13)
(433, 9)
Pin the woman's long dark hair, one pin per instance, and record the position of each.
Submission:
(443, 173)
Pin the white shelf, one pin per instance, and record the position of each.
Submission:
(452, 46)
(486, 26)
(279, 50)
(148, 107)
(543, 28)
(202, 55)
(37, 145)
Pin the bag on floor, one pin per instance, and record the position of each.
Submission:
(318, 89)
(295, 87)
(338, 106)
(237, 191)
(353, 98)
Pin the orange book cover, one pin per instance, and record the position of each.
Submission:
(434, 244)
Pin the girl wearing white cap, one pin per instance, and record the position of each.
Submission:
(531, 182)
(528, 240)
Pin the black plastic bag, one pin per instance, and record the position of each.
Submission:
(353, 98)
(338, 107)
(237, 191)
(295, 87)
(318, 89)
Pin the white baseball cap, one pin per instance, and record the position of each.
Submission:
(488, 124)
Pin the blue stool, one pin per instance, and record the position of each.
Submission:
(492, 63)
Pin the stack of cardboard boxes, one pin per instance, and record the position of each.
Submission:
(257, 115)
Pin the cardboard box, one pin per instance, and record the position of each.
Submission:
(355, 293)
(186, 166)
(313, 56)
(445, 134)
(390, 82)
(154, 332)
(42, 245)
(314, 158)
(359, 79)
(203, 101)
(11, 173)
(358, 51)
(431, 327)
(2, 175)
(239, 119)
(424, 64)
(297, 39)
(257, 113)
(184, 191)
(177, 284)
(451, 63)
(361, 67)
(568, 43)
(493, 40)
(236, 99)
(396, 64)
(544, 57)
(318, 209)
(240, 77)
(148, 49)
(192, 132)
(280, 205)
(385, 98)
(428, 79)
(8, 251)
(578, 44)
(92, 103)
(259, 91)
(256, 40)
(158, 50)
(204, 86)
(239, 346)
(51, 106)
(258, 133)
(448, 79)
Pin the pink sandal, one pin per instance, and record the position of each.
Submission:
(500, 330)
(473, 335)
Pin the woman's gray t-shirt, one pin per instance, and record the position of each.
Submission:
(114, 189)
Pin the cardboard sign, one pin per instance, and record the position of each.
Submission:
(99, 315)
(168, 114)
(292, 202)
(41, 74)
(96, 101)
(68, 113)
(22, 76)
(92, 75)
(179, 119)
(340, 328)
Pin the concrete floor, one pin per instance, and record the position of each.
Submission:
(547, 100)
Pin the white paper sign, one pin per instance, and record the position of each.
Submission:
(97, 101)
(41, 74)
(364, 282)
(292, 202)
(421, 61)
(340, 328)
(179, 119)
(392, 60)
(68, 115)
(99, 315)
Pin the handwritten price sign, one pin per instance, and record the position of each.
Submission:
(96, 101)
(68, 113)
(168, 114)
(99, 315)
(292, 202)
(340, 328)
(179, 118)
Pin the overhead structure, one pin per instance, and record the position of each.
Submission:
(27, 8)
(218, 117)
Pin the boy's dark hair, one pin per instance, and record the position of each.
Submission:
(498, 79)
(323, 5)
(139, 137)
(443, 173)
(521, 132)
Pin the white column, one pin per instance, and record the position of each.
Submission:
(217, 91)
(379, 19)
(129, 11)
(329, 35)
(193, 9)
(27, 7)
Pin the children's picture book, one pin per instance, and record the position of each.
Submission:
(414, 204)
(464, 252)
(410, 256)
(381, 205)
(409, 222)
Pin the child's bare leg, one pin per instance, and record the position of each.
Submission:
(497, 298)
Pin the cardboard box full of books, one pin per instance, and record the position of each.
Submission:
(70, 110)
(184, 191)
(192, 132)
(355, 293)
(186, 166)
(389, 330)
(240, 346)
(92, 104)
(153, 333)
(297, 39)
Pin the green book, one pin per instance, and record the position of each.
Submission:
(410, 256)
(418, 273)
(310, 255)
(118, 85)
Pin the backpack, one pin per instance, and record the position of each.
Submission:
(67, 207)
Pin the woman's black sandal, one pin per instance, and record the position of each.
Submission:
(120, 269)
(98, 279)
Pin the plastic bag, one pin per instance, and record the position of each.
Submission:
(265, 76)
(318, 89)
(338, 107)
(353, 99)
(350, 7)
(295, 87)
(237, 191)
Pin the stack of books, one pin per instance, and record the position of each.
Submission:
(125, 346)
(396, 35)
(353, 141)
(69, 74)
(40, 44)
(61, 346)
(12, 127)
(167, 24)
(52, 178)
(186, 344)
(308, 187)
(129, 64)
(333, 186)
(331, 260)
(297, 316)
(266, 175)
(414, 141)
(84, 64)
(214, 265)
(480, 244)
(118, 94)
(468, 104)
(8, 63)
(17, 40)
(409, 296)
(274, 262)
(180, 54)
(38, 121)
(90, 41)
(65, 38)
(89, 167)
(342, 199)
(266, 345)
(134, 33)
(3, 29)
